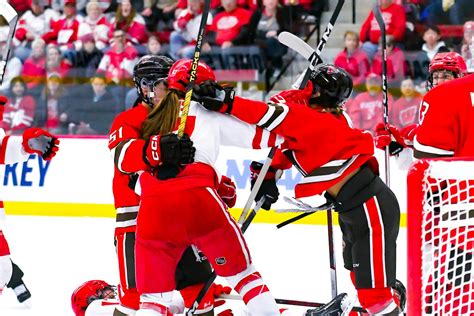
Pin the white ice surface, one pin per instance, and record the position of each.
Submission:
(57, 254)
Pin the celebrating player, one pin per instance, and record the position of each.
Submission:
(332, 157)
(15, 149)
(445, 114)
(184, 210)
(151, 81)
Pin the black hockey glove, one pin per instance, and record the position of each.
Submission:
(176, 151)
(214, 97)
(268, 189)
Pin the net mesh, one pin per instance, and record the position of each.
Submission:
(448, 238)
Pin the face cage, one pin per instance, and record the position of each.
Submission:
(143, 82)
(107, 292)
(429, 80)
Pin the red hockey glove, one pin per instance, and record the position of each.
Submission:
(408, 134)
(3, 101)
(218, 290)
(389, 137)
(226, 191)
(214, 97)
(39, 141)
(294, 96)
(268, 189)
(169, 149)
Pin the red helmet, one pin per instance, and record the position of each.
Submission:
(451, 61)
(87, 293)
(178, 77)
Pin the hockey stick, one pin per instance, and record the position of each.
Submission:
(194, 67)
(323, 207)
(11, 16)
(316, 53)
(283, 301)
(394, 147)
(252, 214)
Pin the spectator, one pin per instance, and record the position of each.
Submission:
(12, 70)
(467, 48)
(433, 45)
(157, 11)
(64, 31)
(396, 63)
(57, 64)
(95, 23)
(153, 47)
(302, 8)
(404, 111)
(366, 109)
(449, 11)
(87, 60)
(133, 24)
(183, 38)
(20, 109)
(52, 106)
(394, 18)
(226, 28)
(97, 110)
(34, 68)
(33, 24)
(353, 59)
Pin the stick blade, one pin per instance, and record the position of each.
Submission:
(297, 44)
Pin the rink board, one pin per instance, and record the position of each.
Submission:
(79, 179)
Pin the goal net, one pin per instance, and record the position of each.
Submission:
(440, 217)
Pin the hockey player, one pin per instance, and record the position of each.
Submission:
(15, 149)
(332, 157)
(435, 135)
(185, 210)
(150, 78)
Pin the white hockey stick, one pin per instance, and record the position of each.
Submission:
(298, 45)
(11, 16)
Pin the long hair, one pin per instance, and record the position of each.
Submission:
(119, 19)
(163, 118)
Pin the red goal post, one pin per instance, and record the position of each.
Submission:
(440, 237)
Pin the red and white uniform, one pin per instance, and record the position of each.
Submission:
(185, 210)
(136, 32)
(37, 25)
(19, 115)
(11, 151)
(99, 28)
(315, 147)
(227, 25)
(63, 32)
(446, 116)
(117, 66)
(366, 110)
(394, 18)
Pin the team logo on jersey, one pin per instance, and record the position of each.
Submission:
(221, 261)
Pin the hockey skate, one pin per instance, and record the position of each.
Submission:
(341, 305)
(16, 283)
(401, 293)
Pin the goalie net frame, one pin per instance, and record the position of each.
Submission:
(449, 221)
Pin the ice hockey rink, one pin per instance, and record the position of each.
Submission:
(58, 253)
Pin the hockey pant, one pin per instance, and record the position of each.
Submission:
(174, 216)
(192, 272)
(369, 217)
(6, 268)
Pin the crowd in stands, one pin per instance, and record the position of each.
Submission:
(71, 65)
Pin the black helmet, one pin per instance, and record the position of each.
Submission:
(150, 70)
(333, 83)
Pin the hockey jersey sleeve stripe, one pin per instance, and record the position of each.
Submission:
(119, 154)
(328, 173)
(257, 139)
(279, 113)
(431, 150)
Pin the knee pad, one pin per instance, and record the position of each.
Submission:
(377, 300)
(6, 270)
(129, 298)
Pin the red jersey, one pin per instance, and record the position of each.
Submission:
(366, 111)
(356, 64)
(127, 126)
(227, 25)
(63, 32)
(394, 18)
(396, 68)
(404, 111)
(322, 146)
(446, 120)
(19, 115)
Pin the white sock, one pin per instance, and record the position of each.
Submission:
(155, 304)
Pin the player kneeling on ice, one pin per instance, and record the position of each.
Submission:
(186, 209)
(15, 149)
(336, 159)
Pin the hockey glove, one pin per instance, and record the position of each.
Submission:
(214, 97)
(39, 141)
(390, 137)
(294, 96)
(227, 191)
(408, 134)
(268, 189)
(169, 150)
(3, 101)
